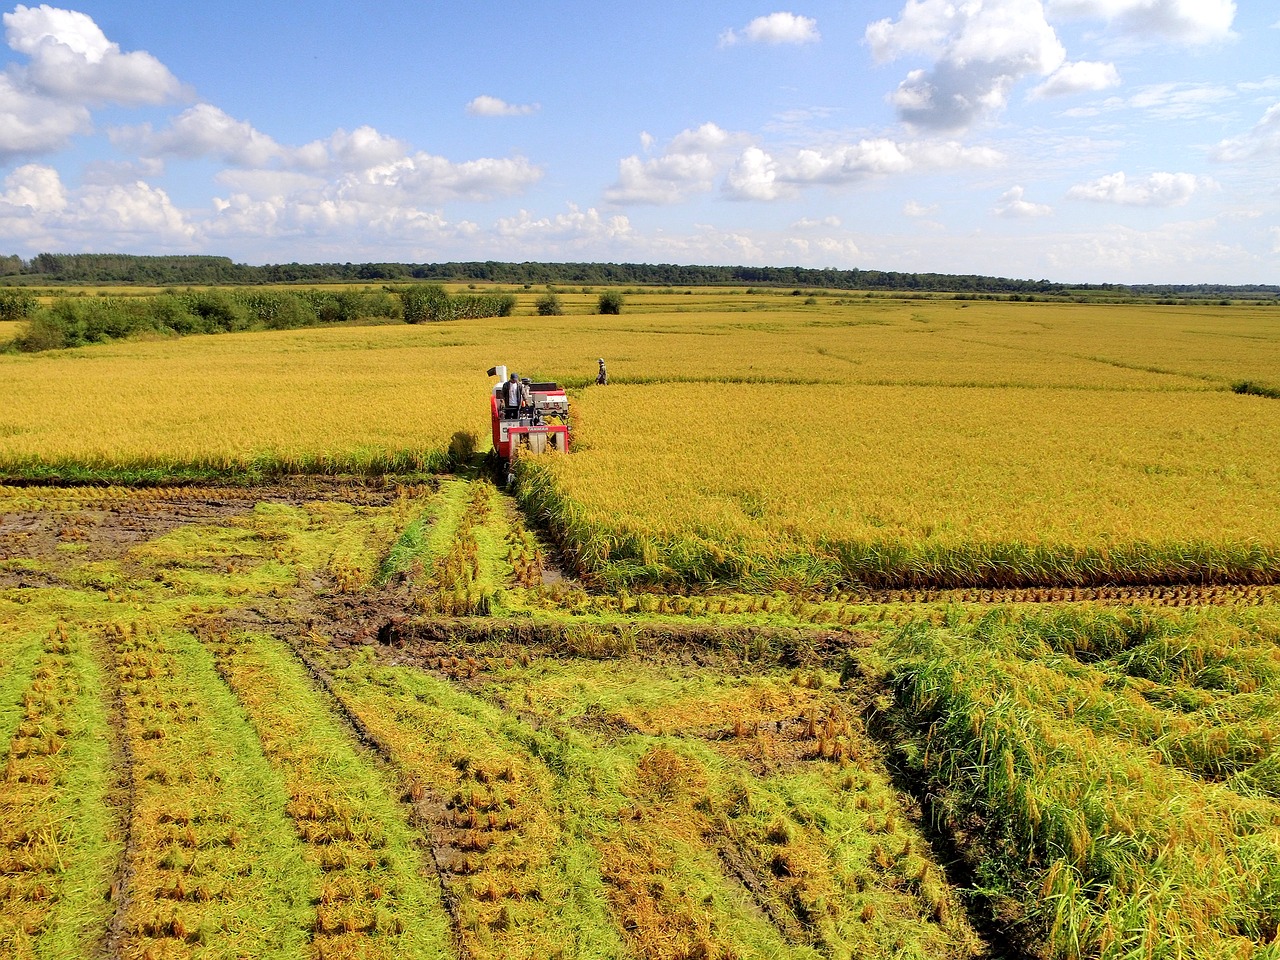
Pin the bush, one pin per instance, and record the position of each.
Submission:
(610, 302)
(549, 306)
(218, 311)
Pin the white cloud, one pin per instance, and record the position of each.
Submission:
(704, 139)
(487, 106)
(688, 166)
(34, 191)
(981, 49)
(835, 252)
(1082, 76)
(1155, 190)
(1013, 204)
(1262, 142)
(807, 223)
(72, 60)
(755, 177)
(31, 123)
(776, 28)
(426, 178)
(1181, 101)
(1275, 231)
(265, 184)
(577, 228)
(758, 175)
(35, 202)
(362, 148)
(71, 66)
(661, 180)
(915, 209)
(204, 131)
(131, 209)
(1189, 22)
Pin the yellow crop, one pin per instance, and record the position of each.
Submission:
(860, 438)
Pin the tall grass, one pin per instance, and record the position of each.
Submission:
(1107, 834)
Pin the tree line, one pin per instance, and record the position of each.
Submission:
(113, 268)
(76, 321)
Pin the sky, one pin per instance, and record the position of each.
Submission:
(1086, 141)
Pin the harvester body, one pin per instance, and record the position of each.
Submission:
(540, 425)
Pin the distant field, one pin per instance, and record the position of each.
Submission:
(750, 438)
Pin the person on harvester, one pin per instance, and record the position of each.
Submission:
(511, 391)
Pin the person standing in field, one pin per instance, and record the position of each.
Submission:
(602, 378)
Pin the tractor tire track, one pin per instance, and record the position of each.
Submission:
(124, 799)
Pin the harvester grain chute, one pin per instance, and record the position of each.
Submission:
(528, 417)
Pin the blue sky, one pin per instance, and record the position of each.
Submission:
(1074, 140)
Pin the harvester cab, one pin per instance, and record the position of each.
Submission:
(527, 417)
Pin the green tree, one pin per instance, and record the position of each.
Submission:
(610, 302)
(549, 305)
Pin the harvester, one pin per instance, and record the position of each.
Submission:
(535, 426)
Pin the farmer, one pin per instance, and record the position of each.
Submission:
(602, 377)
(511, 391)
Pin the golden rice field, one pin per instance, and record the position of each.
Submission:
(749, 438)
(380, 717)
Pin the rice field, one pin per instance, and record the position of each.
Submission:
(854, 628)
(276, 721)
(929, 442)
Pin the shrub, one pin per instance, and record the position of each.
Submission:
(549, 305)
(218, 310)
(610, 302)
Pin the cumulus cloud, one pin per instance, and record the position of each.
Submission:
(758, 175)
(203, 131)
(362, 148)
(980, 48)
(688, 166)
(35, 201)
(72, 60)
(776, 28)
(1082, 76)
(1262, 141)
(1188, 22)
(1013, 204)
(31, 123)
(755, 177)
(71, 65)
(1155, 190)
(487, 106)
(576, 227)
(32, 190)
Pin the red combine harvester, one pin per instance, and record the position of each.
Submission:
(535, 426)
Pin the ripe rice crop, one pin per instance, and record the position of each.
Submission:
(785, 485)
(746, 438)
(1072, 781)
